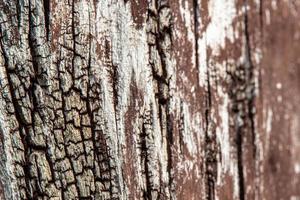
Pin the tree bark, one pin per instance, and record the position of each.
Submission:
(149, 99)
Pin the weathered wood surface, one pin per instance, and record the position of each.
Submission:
(150, 99)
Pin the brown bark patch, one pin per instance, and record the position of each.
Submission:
(139, 11)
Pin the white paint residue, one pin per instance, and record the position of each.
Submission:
(228, 164)
(130, 56)
(187, 18)
(222, 13)
(279, 98)
(188, 137)
(223, 133)
(297, 168)
(274, 4)
(257, 53)
(268, 125)
(269, 121)
(278, 86)
(295, 198)
(236, 185)
(268, 17)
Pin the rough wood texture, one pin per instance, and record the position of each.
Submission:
(150, 99)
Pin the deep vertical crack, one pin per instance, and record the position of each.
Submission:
(47, 17)
(247, 107)
(196, 34)
(210, 140)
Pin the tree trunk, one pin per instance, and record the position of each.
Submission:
(149, 99)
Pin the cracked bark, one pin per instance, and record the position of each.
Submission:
(152, 99)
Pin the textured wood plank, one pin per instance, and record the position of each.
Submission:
(157, 99)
